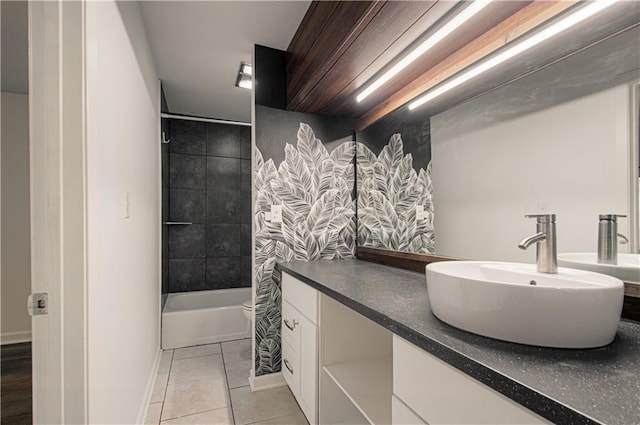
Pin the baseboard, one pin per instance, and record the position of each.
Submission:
(265, 382)
(148, 392)
(15, 337)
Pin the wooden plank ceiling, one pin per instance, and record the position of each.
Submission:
(341, 45)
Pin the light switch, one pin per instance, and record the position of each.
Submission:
(276, 213)
(421, 214)
(127, 205)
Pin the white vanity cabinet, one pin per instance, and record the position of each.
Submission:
(300, 343)
(344, 368)
(427, 388)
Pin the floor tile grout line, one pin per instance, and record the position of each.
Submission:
(194, 414)
(166, 387)
(226, 378)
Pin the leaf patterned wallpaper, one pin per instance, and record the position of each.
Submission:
(315, 188)
(314, 182)
(389, 193)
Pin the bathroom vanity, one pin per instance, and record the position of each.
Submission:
(360, 345)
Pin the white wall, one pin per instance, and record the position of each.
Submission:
(124, 262)
(16, 265)
(570, 159)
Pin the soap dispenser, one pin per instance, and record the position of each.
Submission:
(608, 238)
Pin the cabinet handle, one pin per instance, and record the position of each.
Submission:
(286, 364)
(286, 323)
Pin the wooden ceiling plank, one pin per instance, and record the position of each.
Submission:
(489, 18)
(314, 22)
(327, 66)
(518, 24)
(338, 26)
(389, 26)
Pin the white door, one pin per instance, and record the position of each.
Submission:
(57, 158)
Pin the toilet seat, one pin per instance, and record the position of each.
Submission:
(247, 305)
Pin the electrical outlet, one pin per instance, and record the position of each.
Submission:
(276, 213)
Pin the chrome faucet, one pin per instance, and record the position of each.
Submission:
(608, 238)
(545, 240)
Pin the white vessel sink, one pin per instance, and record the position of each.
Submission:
(627, 269)
(513, 302)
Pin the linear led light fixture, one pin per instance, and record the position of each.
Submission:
(570, 20)
(244, 76)
(438, 36)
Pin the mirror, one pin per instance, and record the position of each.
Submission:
(542, 136)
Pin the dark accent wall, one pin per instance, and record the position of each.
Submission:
(210, 187)
(271, 81)
(304, 163)
(412, 125)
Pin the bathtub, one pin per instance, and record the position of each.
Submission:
(204, 317)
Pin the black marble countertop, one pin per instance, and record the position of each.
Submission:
(564, 386)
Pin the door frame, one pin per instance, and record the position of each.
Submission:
(57, 132)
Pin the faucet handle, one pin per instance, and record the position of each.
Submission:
(543, 218)
(611, 217)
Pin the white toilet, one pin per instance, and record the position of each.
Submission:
(247, 309)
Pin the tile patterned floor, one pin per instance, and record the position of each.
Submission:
(208, 384)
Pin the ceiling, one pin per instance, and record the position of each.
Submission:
(198, 47)
(15, 70)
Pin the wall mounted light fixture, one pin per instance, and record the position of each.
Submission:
(466, 14)
(573, 18)
(243, 79)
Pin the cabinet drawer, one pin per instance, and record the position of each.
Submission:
(402, 415)
(301, 296)
(290, 370)
(290, 325)
(441, 394)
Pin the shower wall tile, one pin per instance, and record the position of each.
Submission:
(165, 165)
(223, 174)
(245, 271)
(245, 143)
(245, 208)
(245, 175)
(187, 275)
(208, 184)
(223, 207)
(245, 239)
(187, 171)
(188, 137)
(223, 272)
(223, 140)
(187, 241)
(165, 259)
(188, 205)
(223, 240)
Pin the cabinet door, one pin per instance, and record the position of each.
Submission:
(402, 415)
(436, 391)
(308, 362)
(290, 367)
(290, 325)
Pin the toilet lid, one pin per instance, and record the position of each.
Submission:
(247, 305)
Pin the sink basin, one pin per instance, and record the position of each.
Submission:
(627, 269)
(513, 302)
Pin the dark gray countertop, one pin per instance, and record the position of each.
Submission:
(565, 386)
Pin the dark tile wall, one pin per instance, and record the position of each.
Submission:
(165, 207)
(209, 185)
